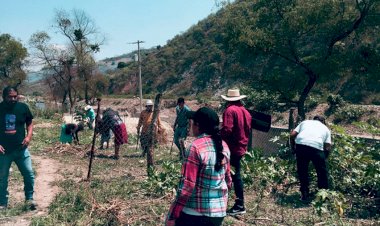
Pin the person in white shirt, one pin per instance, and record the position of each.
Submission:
(311, 140)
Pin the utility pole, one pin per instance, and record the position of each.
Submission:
(139, 63)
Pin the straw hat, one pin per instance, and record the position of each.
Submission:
(149, 103)
(233, 95)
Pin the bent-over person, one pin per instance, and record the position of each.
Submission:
(311, 140)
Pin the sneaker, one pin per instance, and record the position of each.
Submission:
(2, 207)
(30, 204)
(236, 210)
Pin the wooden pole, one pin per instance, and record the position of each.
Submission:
(92, 152)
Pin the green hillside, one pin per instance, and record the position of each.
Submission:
(280, 48)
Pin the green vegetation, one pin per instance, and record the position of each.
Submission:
(289, 49)
(120, 192)
(12, 55)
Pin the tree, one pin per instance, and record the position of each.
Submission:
(84, 39)
(57, 66)
(297, 38)
(12, 55)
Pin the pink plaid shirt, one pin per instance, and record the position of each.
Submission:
(203, 191)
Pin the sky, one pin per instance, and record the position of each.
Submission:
(121, 21)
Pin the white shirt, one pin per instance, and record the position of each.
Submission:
(313, 133)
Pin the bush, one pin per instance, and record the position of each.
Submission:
(335, 102)
(262, 101)
(348, 113)
(311, 103)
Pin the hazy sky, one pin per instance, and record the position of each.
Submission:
(122, 21)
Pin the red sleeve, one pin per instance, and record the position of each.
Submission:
(228, 123)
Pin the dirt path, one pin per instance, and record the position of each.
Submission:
(45, 190)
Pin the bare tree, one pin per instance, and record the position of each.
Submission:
(84, 38)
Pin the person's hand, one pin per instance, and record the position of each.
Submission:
(327, 153)
(2, 150)
(170, 222)
(26, 141)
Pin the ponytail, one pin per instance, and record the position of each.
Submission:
(217, 138)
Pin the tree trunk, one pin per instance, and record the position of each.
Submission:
(301, 102)
(152, 134)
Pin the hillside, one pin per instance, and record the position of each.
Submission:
(212, 56)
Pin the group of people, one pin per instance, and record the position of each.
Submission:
(206, 175)
(206, 164)
(206, 169)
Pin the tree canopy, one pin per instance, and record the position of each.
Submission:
(12, 56)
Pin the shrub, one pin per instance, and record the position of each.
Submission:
(165, 181)
(311, 103)
(262, 101)
(348, 113)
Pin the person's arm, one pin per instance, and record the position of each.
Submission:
(190, 169)
(327, 149)
(228, 124)
(293, 136)
(29, 133)
(139, 123)
(228, 175)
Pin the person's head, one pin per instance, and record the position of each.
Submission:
(10, 95)
(233, 95)
(88, 107)
(181, 102)
(205, 120)
(149, 105)
(320, 118)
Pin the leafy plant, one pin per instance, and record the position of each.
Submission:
(348, 113)
(165, 181)
(329, 202)
(335, 102)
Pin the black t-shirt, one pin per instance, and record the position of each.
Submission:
(12, 125)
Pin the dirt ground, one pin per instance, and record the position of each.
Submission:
(46, 174)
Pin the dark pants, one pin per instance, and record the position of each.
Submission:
(236, 179)
(305, 154)
(191, 220)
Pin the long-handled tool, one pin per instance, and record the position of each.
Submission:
(138, 138)
(171, 147)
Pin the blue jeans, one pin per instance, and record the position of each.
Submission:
(237, 180)
(24, 164)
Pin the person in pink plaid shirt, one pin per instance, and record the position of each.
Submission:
(203, 189)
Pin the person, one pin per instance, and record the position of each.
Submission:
(105, 133)
(203, 190)
(90, 116)
(181, 125)
(15, 117)
(69, 132)
(145, 120)
(235, 131)
(311, 140)
(112, 120)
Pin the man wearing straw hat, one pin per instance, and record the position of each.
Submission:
(235, 132)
